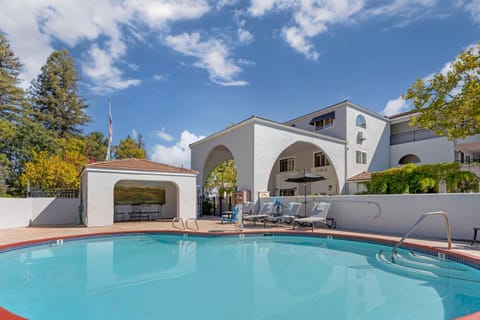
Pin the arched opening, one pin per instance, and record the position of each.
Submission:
(409, 158)
(137, 200)
(293, 161)
(219, 181)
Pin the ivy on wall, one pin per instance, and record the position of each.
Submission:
(422, 179)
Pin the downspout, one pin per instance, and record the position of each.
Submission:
(345, 188)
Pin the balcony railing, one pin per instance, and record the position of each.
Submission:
(411, 136)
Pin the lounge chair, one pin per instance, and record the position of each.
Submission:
(265, 211)
(247, 207)
(236, 212)
(288, 215)
(319, 215)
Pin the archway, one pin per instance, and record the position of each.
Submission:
(138, 200)
(409, 158)
(292, 161)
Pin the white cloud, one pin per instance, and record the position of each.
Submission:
(395, 106)
(244, 36)
(164, 135)
(33, 25)
(134, 134)
(159, 77)
(178, 154)
(474, 8)
(100, 68)
(213, 55)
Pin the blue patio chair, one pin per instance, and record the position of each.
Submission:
(234, 217)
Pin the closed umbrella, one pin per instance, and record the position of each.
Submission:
(304, 178)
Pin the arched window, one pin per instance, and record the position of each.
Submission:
(409, 158)
(361, 122)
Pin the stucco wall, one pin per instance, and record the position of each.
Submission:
(98, 210)
(399, 212)
(429, 151)
(38, 211)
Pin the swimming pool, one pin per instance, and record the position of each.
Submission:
(160, 276)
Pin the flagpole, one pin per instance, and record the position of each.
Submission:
(110, 129)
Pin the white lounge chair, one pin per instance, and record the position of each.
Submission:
(319, 215)
(265, 211)
(288, 215)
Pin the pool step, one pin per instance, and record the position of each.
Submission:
(427, 266)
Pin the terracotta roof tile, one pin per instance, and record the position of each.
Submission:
(140, 165)
(362, 176)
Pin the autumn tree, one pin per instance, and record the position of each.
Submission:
(56, 102)
(223, 177)
(128, 148)
(449, 102)
(48, 171)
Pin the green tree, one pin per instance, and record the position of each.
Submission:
(96, 145)
(56, 102)
(449, 103)
(141, 143)
(223, 177)
(13, 101)
(128, 148)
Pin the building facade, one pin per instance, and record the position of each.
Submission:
(340, 142)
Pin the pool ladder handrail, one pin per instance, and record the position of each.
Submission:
(185, 224)
(423, 216)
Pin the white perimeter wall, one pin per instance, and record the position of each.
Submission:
(400, 212)
(16, 212)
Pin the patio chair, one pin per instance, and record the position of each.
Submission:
(288, 215)
(265, 211)
(237, 210)
(319, 215)
(247, 208)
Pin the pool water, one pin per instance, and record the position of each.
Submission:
(173, 277)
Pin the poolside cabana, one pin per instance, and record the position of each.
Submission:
(103, 186)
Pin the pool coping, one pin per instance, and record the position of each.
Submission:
(464, 258)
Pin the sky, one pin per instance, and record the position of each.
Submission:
(180, 70)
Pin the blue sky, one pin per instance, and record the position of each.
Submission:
(178, 70)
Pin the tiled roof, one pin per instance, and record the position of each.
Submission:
(140, 165)
(362, 176)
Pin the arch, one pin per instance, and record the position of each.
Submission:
(217, 155)
(303, 154)
(361, 122)
(409, 158)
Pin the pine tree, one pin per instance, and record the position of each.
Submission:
(12, 97)
(55, 98)
(128, 148)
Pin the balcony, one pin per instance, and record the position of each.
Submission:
(411, 136)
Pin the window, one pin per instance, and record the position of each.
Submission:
(409, 158)
(287, 192)
(287, 164)
(324, 124)
(320, 160)
(360, 157)
(361, 122)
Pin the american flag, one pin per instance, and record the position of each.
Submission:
(110, 128)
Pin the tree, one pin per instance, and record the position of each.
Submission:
(56, 171)
(449, 103)
(223, 177)
(55, 98)
(12, 98)
(141, 143)
(96, 145)
(128, 148)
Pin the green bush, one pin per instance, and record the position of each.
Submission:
(422, 179)
(462, 181)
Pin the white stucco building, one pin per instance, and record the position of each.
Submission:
(100, 180)
(340, 142)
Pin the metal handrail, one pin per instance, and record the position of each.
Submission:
(423, 216)
(195, 223)
(178, 219)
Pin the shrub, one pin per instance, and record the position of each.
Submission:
(462, 181)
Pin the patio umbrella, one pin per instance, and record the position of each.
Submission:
(304, 178)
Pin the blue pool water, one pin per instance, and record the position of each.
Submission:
(279, 277)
